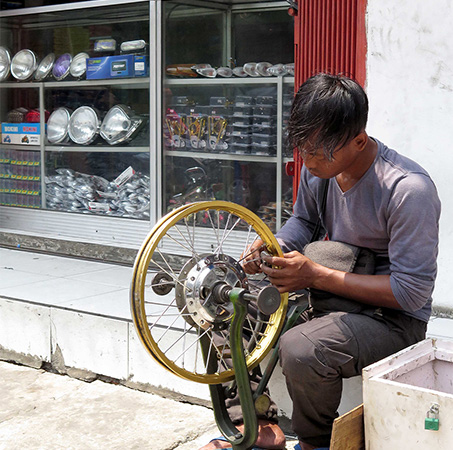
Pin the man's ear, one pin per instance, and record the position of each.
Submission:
(360, 141)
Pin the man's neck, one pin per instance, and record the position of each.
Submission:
(349, 178)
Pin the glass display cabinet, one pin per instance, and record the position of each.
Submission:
(114, 113)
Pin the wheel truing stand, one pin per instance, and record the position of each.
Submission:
(203, 298)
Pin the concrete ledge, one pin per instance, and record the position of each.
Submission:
(90, 346)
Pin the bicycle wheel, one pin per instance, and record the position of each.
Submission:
(185, 255)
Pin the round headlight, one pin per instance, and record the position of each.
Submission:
(78, 65)
(84, 125)
(5, 63)
(23, 65)
(120, 124)
(60, 69)
(58, 126)
(45, 67)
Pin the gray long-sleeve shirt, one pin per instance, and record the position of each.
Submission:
(393, 210)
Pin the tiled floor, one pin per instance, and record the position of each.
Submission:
(94, 287)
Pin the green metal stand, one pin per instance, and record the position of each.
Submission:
(245, 440)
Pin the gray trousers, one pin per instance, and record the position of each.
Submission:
(318, 353)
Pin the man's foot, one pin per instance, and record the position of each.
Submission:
(270, 436)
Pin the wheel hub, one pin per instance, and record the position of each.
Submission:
(195, 290)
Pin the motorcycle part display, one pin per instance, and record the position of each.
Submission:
(45, 67)
(78, 66)
(58, 126)
(5, 63)
(23, 65)
(120, 125)
(84, 125)
(61, 67)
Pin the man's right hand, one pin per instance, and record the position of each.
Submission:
(251, 258)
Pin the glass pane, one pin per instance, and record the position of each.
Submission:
(96, 139)
(249, 184)
(263, 36)
(91, 183)
(193, 35)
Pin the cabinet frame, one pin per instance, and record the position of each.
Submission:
(121, 231)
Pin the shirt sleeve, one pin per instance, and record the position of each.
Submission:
(413, 228)
(298, 229)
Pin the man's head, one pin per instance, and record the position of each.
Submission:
(328, 111)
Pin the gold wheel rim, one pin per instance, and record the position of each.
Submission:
(138, 304)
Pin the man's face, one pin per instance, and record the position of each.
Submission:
(343, 159)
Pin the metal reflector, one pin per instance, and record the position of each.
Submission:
(5, 63)
(58, 126)
(23, 65)
(84, 125)
(45, 67)
(120, 125)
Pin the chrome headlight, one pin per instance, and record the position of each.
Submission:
(60, 69)
(5, 63)
(278, 70)
(84, 125)
(58, 126)
(239, 72)
(78, 66)
(45, 67)
(263, 69)
(290, 68)
(250, 69)
(133, 46)
(23, 65)
(225, 72)
(120, 125)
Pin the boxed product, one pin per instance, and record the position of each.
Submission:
(118, 66)
(21, 133)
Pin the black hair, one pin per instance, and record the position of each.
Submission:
(327, 112)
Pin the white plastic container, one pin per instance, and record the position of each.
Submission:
(398, 392)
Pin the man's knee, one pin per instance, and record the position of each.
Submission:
(297, 353)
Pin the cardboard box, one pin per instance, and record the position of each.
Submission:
(141, 65)
(21, 133)
(118, 66)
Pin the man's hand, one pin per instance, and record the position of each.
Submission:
(295, 271)
(251, 258)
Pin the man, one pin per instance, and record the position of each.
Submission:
(376, 199)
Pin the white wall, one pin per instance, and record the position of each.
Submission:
(410, 88)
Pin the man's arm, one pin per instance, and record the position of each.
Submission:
(296, 272)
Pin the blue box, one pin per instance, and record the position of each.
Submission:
(141, 65)
(21, 133)
(120, 66)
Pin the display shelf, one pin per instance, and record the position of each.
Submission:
(94, 149)
(130, 83)
(20, 147)
(227, 81)
(222, 156)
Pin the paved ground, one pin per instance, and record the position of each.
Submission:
(42, 410)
